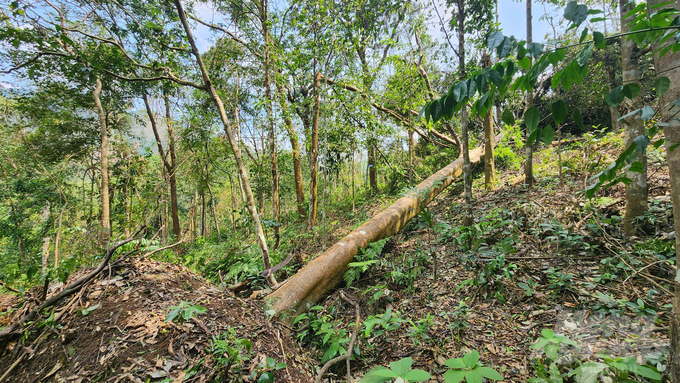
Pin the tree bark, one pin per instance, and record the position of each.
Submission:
(243, 172)
(372, 175)
(489, 169)
(467, 166)
(106, 215)
(529, 163)
(295, 147)
(174, 208)
(276, 203)
(636, 191)
(314, 154)
(170, 166)
(668, 66)
(322, 274)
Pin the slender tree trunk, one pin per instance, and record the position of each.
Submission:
(314, 154)
(232, 140)
(202, 213)
(668, 66)
(372, 175)
(176, 229)
(106, 216)
(170, 165)
(529, 164)
(212, 204)
(295, 148)
(46, 240)
(489, 169)
(467, 166)
(276, 203)
(57, 237)
(636, 191)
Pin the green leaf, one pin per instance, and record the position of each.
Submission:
(547, 333)
(459, 91)
(436, 110)
(494, 40)
(473, 376)
(631, 90)
(548, 135)
(641, 142)
(647, 113)
(559, 110)
(531, 118)
(266, 377)
(524, 63)
(416, 375)
(508, 117)
(584, 34)
(585, 55)
(578, 119)
(576, 13)
(615, 97)
(645, 372)
(533, 136)
(661, 85)
(551, 351)
(454, 376)
(401, 366)
(373, 376)
(490, 373)
(536, 49)
(598, 39)
(495, 77)
(471, 359)
(455, 363)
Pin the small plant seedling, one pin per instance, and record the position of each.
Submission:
(469, 369)
(183, 312)
(550, 343)
(400, 372)
(616, 369)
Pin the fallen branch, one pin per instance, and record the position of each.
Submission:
(347, 356)
(70, 289)
(324, 272)
(8, 287)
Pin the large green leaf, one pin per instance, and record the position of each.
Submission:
(578, 119)
(615, 97)
(536, 49)
(494, 40)
(471, 359)
(454, 376)
(490, 373)
(436, 110)
(548, 135)
(473, 376)
(401, 366)
(661, 85)
(598, 39)
(531, 118)
(559, 110)
(647, 113)
(455, 363)
(459, 91)
(576, 13)
(585, 55)
(508, 117)
(631, 90)
(416, 375)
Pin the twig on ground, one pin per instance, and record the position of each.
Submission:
(347, 356)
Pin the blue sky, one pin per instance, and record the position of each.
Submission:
(512, 17)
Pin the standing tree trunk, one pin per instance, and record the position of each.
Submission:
(276, 203)
(636, 191)
(170, 166)
(295, 147)
(489, 169)
(314, 154)
(529, 164)
(467, 166)
(243, 172)
(668, 65)
(106, 215)
(172, 170)
(372, 175)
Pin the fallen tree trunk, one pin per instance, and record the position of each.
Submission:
(324, 272)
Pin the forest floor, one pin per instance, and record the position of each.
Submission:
(537, 259)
